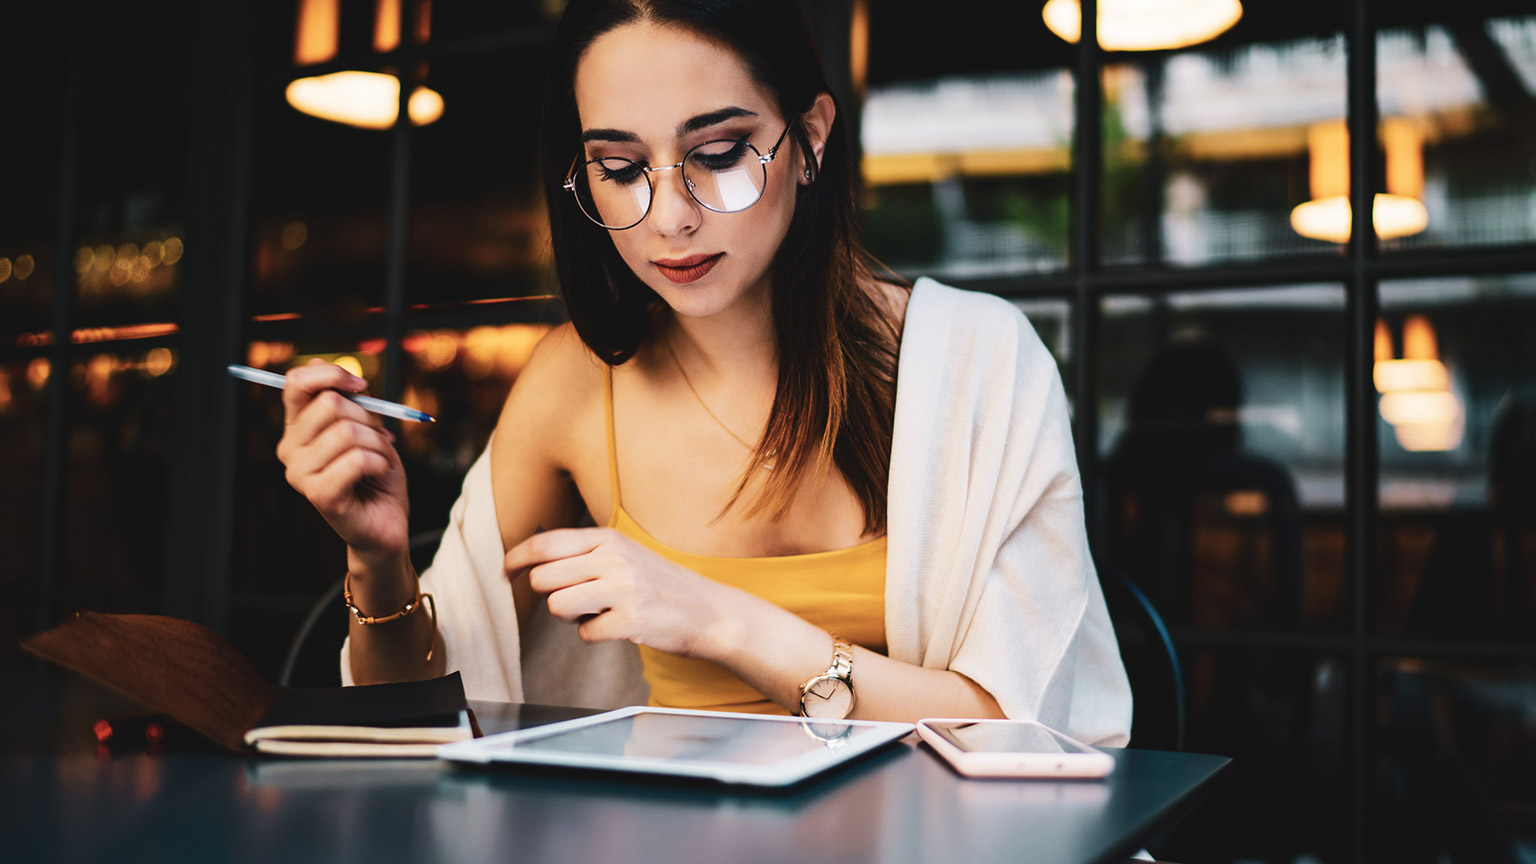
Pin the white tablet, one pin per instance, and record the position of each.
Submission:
(751, 749)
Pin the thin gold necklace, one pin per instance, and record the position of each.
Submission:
(702, 404)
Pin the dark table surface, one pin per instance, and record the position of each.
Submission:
(63, 800)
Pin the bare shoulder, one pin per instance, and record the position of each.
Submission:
(561, 383)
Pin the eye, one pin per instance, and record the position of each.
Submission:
(720, 155)
(621, 171)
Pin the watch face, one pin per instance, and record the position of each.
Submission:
(827, 696)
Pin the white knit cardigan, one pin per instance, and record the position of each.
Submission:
(987, 570)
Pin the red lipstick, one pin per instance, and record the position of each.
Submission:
(690, 269)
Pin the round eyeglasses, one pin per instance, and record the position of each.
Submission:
(725, 176)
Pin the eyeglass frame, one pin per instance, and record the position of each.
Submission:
(763, 159)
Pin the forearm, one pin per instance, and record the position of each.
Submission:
(775, 651)
(396, 650)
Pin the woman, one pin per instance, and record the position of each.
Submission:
(810, 450)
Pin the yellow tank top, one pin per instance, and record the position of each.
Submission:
(842, 591)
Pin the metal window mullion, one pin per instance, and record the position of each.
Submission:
(1087, 173)
(1361, 468)
(399, 213)
(56, 451)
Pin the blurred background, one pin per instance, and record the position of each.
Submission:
(1316, 455)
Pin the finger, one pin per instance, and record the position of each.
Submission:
(552, 546)
(606, 627)
(336, 440)
(325, 408)
(552, 576)
(579, 601)
(304, 382)
(336, 485)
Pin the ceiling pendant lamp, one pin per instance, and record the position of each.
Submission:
(1145, 25)
(1398, 212)
(1417, 398)
(367, 100)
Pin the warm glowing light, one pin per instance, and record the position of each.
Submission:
(367, 100)
(1431, 437)
(371, 347)
(129, 251)
(1419, 339)
(5, 391)
(1392, 376)
(159, 361)
(318, 31)
(1398, 212)
(84, 258)
(5, 269)
(386, 26)
(1145, 25)
(38, 371)
(1383, 343)
(154, 250)
(441, 349)
(23, 266)
(1332, 219)
(256, 355)
(293, 236)
(105, 255)
(1248, 502)
(1419, 407)
(173, 250)
(351, 364)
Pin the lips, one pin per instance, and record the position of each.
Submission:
(690, 269)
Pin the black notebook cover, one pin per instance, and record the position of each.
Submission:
(434, 702)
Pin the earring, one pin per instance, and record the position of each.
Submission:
(807, 175)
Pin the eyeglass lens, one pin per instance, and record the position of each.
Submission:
(723, 176)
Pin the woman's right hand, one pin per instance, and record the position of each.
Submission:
(343, 460)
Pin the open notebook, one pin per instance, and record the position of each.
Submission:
(188, 672)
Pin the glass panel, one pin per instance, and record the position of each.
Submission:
(1455, 748)
(1457, 442)
(1282, 719)
(284, 554)
(1458, 124)
(478, 18)
(134, 57)
(128, 228)
(29, 223)
(319, 203)
(1222, 434)
(1052, 320)
(122, 411)
(966, 152)
(23, 422)
(1205, 151)
(461, 376)
(478, 224)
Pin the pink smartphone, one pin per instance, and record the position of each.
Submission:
(1012, 748)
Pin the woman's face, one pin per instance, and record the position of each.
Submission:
(650, 94)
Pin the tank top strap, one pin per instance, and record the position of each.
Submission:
(613, 448)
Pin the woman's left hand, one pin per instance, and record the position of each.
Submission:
(614, 588)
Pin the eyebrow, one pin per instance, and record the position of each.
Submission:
(692, 124)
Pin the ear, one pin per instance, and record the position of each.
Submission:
(817, 122)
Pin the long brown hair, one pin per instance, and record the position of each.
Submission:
(836, 394)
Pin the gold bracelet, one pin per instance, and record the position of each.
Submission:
(408, 608)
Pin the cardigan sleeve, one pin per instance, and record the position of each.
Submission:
(990, 571)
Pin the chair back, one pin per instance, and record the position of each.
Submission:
(313, 658)
(1151, 664)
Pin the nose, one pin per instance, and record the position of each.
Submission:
(673, 210)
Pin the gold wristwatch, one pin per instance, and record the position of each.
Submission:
(829, 696)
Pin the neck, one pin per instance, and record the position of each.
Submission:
(735, 349)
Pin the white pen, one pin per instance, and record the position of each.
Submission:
(367, 403)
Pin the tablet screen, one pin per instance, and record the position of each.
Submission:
(691, 738)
